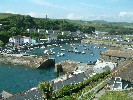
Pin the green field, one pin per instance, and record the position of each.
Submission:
(115, 95)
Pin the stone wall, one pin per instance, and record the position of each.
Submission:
(35, 62)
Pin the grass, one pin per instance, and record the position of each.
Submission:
(115, 95)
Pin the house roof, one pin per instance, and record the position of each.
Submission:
(6, 94)
(19, 36)
(55, 31)
(49, 31)
(126, 72)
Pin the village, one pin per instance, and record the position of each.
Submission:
(117, 61)
(112, 72)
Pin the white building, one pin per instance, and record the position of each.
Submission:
(117, 83)
(52, 37)
(102, 66)
(19, 40)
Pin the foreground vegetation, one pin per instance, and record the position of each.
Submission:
(74, 91)
(115, 95)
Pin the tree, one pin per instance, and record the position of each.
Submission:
(47, 90)
(1, 43)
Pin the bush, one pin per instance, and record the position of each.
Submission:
(69, 89)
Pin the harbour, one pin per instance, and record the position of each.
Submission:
(27, 77)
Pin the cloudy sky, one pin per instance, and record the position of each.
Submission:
(109, 10)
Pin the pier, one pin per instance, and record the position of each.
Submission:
(27, 60)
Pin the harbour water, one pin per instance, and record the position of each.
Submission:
(16, 78)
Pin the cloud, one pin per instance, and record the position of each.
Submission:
(126, 14)
(12, 12)
(75, 16)
(37, 15)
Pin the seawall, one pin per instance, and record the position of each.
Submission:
(32, 61)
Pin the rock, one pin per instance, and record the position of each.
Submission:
(67, 66)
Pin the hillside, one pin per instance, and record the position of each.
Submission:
(111, 27)
(15, 24)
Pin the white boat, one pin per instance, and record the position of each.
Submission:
(45, 51)
(48, 45)
(52, 53)
(61, 54)
(83, 52)
(42, 47)
(62, 49)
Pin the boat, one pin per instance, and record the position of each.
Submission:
(62, 49)
(86, 49)
(48, 45)
(45, 51)
(83, 52)
(92, 53)
(51, 53)
(42, 47)
(76, 51)
(84, 45)
(61, 54)
(91, 62)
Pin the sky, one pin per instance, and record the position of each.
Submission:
(108, 10)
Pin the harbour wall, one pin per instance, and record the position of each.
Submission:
(32, 61)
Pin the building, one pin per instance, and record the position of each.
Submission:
(20, 40)
(32, 94)
(102, 66)
(49, 31)
(31, 30)
(41, 31)
(65, 33)
(68, 79)
(52, 37)
(56, 31)
(74, 34)
(5, 94)
(123, 77)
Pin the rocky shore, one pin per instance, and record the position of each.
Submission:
(32, 61)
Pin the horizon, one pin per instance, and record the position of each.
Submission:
(109, 10)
